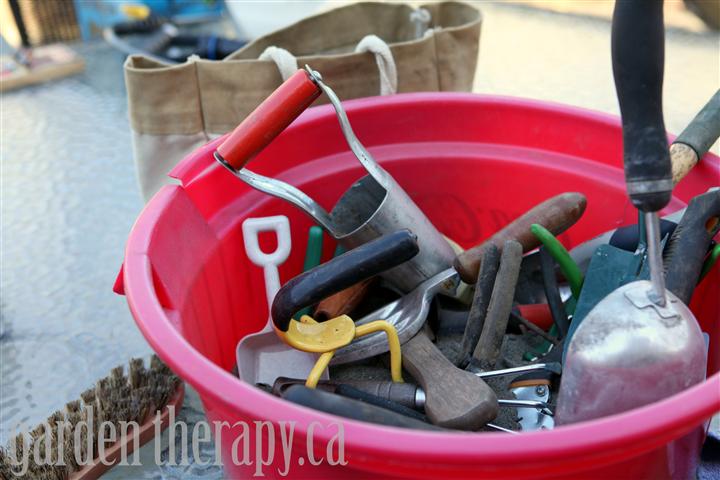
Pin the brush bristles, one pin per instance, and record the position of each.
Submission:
(115, 398)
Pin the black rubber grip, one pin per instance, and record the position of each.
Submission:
(342, 272)
(626, 238)
(352, 409)
(356, 394)
(638, 57)
(704, 129)
(689, 244)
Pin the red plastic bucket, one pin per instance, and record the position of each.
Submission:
(472, 163)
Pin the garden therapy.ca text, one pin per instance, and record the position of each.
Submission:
(256, 445)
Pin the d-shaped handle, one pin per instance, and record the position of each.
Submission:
(341, 272)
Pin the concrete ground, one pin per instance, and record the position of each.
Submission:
(69, 195)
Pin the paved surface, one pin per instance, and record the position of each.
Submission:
(69, 196)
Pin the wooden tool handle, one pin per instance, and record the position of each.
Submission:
(695, 141)
(343, 302)
(454, 398)
(270, 118)
(556, 214)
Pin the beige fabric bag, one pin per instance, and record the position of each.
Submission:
(361, 50)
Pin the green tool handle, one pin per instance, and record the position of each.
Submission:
(567, 265)
(710, 262)
(704, 129)
(313, 255)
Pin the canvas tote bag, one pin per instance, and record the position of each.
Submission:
(362, 49)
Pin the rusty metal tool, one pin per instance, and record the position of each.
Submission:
(488, 346)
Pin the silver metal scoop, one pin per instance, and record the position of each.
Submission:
(375, 205)
(407, 314)
(638, 345)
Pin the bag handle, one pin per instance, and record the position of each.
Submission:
(287, 62)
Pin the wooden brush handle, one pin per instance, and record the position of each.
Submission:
(556, 214)
(454, 398)
(343, 302)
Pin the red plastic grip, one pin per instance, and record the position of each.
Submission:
(270, 118)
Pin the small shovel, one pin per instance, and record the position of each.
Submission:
(641, 343)
(262, 356)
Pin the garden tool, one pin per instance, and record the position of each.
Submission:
(407, 314)
(347, 269)
(690, 146)
(344, 301)
(407, 394)
(350, 408)
(623, 238)
(481, 300)
(487, 349)
(552, 293)
(313, 256)
(454, 398)
(375, 205)
(697, 138)
(557, 214)
(640, 343)
(689, 243)
(261, 357)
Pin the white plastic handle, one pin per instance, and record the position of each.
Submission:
(251, 228)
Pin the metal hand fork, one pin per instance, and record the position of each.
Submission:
(407, 314)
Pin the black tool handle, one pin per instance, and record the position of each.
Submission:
(626, 238)
(638, 57)
(342, 272)
(552, 293)
(350, 408)
(400, 393)
(704, 129)
(367, 397)
(689, 244)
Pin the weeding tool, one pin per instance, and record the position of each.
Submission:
(375, 205)
(640, 343)
(261, 357)
(347, 269)
(557, 214)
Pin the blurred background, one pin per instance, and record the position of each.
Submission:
(69, 193)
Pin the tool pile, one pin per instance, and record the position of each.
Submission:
(513, 334)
